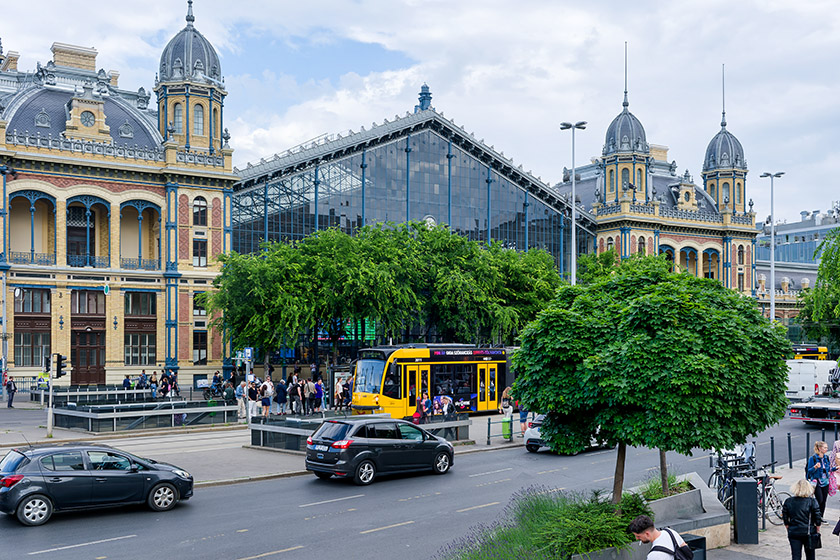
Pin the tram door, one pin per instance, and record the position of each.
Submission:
(410, 388)
(492, 384)
(483, 387)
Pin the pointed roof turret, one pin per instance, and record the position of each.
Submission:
(625, 133)
(190, 16)
(724, 151)
(189, 55)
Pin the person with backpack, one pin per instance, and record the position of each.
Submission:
(280, 397)
(817, 470)
(667, 544)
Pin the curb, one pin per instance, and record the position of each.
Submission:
(83, 436)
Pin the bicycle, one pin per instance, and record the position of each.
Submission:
(770, 501)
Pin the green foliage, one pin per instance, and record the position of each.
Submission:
(820, 314)
(594, 267)
(398, 275)
(652, 358)
(651, 489)
(540, 523)
(631, 506)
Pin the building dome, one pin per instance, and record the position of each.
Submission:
(724, 152)
(625, 133)
(189, 56)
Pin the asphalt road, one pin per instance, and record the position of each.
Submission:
(409, 516)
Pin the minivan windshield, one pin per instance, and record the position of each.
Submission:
(332, 431)
(369, 375)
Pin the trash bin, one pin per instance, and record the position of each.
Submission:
(697, 544)
(507, 427)
(746, 511)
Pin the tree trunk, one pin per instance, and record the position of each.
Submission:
(663, 472)
(618, 479)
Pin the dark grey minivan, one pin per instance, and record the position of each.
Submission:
(37, 480)
(362, 448)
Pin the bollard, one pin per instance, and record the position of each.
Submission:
(764, 481)
(807, 444)
(488, 431)
(790, 453)
(823, 432)
(772, 455)
(711, 462)
(835, 432)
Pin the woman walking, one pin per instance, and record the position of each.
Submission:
(153, 384)
(801, 515)
(818, 472)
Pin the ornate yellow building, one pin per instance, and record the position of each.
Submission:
(639, 204)
(112, 211)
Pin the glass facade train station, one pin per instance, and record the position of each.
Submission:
(419, 167)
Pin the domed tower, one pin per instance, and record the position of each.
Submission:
(725, 169)
(625, 156)
(191, 91)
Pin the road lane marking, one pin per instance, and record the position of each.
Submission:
(603, 479)
(550, 491)
(82, 544)
(491, 483)
(477, 507)
(383, 528)
(242, 530)
(264, 554)
(552, 470)
(490, 472)
(331, 501)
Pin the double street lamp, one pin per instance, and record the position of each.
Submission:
(772, 245)
(566, 126)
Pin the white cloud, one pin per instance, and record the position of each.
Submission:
(510, 72)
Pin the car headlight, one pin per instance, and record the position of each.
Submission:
(182, 474)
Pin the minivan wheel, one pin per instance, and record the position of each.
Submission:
(442, 463)
(34, 510)
(365, 473)
(163, 497)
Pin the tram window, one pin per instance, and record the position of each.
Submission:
(442, 381)
(481, 384)
(392, 385)
(412, 388)
(492, 384)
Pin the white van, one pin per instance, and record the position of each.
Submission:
(807, 378)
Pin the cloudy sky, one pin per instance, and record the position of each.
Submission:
(508, 71)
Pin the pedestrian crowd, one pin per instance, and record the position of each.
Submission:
(166, 385)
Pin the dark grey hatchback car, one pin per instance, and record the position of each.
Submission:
(362, 448)
(37, 480)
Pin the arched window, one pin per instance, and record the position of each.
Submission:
(612, 180)
(198, 120)
(740, 254)
(199, 211)
(639, 180)
(713, 190)
(625, 177)
(216, 123)
(642, 246)
(178, 118)
(725, 192)
(737, 193)
(610, 244)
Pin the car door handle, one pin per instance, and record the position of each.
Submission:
(101, 479)
(56, 479)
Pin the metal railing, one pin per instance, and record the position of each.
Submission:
(124, 417)
(95, 261)
(140, 264)
(506, 422)
(28, 257)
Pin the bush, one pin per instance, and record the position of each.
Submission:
(631, 506)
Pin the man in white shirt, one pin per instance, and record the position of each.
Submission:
(663, 543)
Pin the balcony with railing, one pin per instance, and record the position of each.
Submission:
(140, 264)
(29, 257)
(94, 261)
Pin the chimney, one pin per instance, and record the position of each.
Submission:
(817, 217)
(115, 77)
(804, 215)
(9, 62)
(73, 56)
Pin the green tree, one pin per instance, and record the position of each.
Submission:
(820, 314)
(646, 357)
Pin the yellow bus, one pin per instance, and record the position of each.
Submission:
(809, 352)
(458, 378)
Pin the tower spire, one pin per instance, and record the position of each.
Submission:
(723, 94)
(626, 103)
(190, 16)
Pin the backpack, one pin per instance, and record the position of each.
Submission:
(680, 552)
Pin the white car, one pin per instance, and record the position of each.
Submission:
(534, 441)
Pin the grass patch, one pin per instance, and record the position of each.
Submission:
(542, 523)
(652, 488)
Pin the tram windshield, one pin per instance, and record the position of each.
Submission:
(369, 375)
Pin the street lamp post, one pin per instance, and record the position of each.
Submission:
(772, 245)
(566, 126)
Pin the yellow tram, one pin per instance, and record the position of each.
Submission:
(457, 378)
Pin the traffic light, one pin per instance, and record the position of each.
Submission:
(47, 363)
(60, 364)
